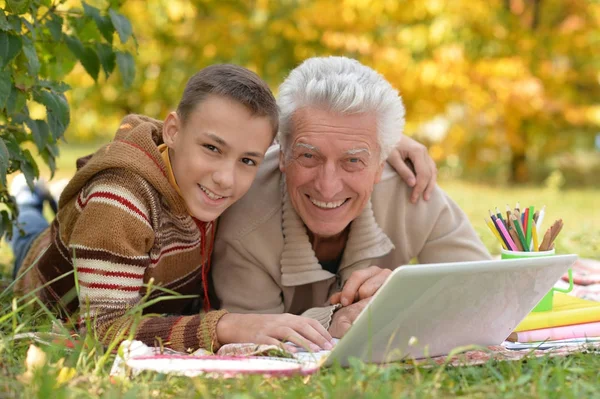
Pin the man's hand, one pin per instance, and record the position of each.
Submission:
(426, 171)
(343, 318)
(273, 329)
(360, 285)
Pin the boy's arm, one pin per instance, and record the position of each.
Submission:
(111, 241)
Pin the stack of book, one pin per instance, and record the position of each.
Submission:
(571, 321)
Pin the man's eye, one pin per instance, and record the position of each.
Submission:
(353, 160)
(211, 147)
(249, 162)
(307, 155)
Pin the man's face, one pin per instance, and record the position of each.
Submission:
(216, 153)
(331, 164)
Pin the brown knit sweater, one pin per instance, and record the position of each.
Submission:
(120, 225)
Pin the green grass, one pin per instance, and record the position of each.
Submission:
(573, 376)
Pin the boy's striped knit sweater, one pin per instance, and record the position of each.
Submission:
(122, 224)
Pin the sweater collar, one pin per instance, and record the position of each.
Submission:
(164, 153)
(299, 264)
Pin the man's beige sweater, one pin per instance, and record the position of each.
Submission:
(264, 263)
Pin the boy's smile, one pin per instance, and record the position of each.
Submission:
(215, 154)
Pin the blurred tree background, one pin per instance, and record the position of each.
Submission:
(500, 90)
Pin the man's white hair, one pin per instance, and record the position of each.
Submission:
(341, 85)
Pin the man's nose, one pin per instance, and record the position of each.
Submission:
(224, 176)
(328, 182)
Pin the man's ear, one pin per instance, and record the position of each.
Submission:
(281, 160)
(171, 128)
(379, 172)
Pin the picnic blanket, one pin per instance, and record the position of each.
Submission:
(586, 279)
(240, 359)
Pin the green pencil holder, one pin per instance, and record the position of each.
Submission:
(545, 304)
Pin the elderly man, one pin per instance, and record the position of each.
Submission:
(326, 220)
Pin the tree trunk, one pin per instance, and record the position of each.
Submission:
(519, 173)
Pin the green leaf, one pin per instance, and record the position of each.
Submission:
(10, 46)
(33, 66)
(107, 58)
(59, 87)
(104, 23)
(16, 101)
(86, 55)
(121, 24)
(50, 160)
(4, 158)
(18, 6)
(4, 25)
(5, 87)
(60, 63)
(14, 151)
(29, 168)
(15, 22)
(126, 67)
(57, 111)
(39, 131)
(54, 25)
(53, 149)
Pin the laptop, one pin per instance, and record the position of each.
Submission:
(428, 310)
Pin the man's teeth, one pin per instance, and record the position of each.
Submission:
(210, 194)
(327, 205)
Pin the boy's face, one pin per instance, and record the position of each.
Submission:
(215, 155)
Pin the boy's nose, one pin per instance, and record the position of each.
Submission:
(224, 177)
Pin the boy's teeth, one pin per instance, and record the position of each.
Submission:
(210, 194)
(327, 205)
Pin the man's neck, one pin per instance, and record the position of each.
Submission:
(329, 248)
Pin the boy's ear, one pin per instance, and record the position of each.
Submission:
(171, 128)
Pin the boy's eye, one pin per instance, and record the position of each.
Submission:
(249, 162)
(211, 147)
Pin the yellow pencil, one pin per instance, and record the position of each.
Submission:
(495, 232)
(535, 237)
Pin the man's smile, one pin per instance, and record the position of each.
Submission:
(327, 204)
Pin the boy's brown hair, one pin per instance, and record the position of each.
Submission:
(234, 82)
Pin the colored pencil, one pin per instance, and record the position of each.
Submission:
(513, 235)
(499, 216)
(504, 232)
(508, 213)
(495, 233)
(535, 238)
(540, 219)
(529, 226)
(519, 229)
(525, 220)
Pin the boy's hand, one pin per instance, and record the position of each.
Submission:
(344, 317)
(425, 168)
(360, 285)
(273, 329)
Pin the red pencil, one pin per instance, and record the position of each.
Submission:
(525, 220)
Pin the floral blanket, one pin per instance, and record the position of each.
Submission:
(586, 279)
